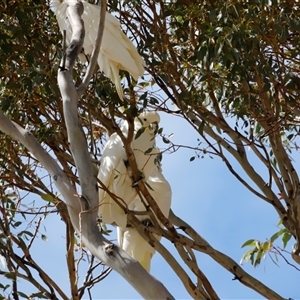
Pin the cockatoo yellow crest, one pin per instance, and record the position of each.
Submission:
(129, 238)
(113, 170)
(117, 51)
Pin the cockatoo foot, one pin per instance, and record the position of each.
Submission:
(135, 183)
(147, 223)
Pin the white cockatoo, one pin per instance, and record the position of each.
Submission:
(114, 172)
(129, 238)
(117, 51)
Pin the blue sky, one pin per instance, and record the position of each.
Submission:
(210, 199)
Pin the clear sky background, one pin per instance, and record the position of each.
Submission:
(209, 198)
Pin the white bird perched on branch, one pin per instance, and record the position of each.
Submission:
(116, 53)
(113, 170)
(129, 238)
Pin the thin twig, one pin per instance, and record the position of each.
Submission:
(71, 260)
(279, 252)
(35, 233)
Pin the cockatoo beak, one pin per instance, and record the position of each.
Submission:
(153, 128)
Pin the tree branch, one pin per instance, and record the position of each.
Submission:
(174, 264)
(71, 260)
(226, 261)
(95, 53)
(103, 249)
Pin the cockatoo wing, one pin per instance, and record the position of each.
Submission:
(114, 172)
(131, 242)
(60, 10)
(129, 238)
(117, 51)
(162, 192)
(140, 144)
(112, 157)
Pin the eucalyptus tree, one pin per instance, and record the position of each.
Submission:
(229, 69)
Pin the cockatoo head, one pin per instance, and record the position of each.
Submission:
(148, 120)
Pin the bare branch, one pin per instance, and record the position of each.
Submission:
(226, 261)
(59, 177)
(71, 260)
(203, 284)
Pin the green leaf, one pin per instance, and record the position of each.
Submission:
(246, 256)
(38, 295)
(228, 53)
(147, 184)
(47, 197)
(144, 99)
(153, 101)
(139, 133)
(266, 87)
(22, 295)
(25, 232)
(22, 242)
(285, 238)
(10, 276)
(17, 224)
(259, 256)
(168, 12)
(251, 242)
(6, 287)
(144, 96)
(44, 238)
(252, 257)
(201, 127)
(107, 232)
(160, 130)
(266, 246)
(148, 150)
(279, 222)
(295, 24)
(276, 235)
(203, 78)
(165, 140)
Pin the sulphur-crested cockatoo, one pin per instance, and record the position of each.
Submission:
(114, 171)
(117, 51)
(129, 238)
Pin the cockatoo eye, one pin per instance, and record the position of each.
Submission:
(145, 119)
